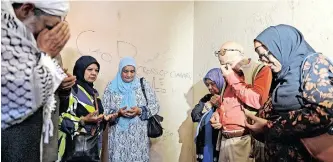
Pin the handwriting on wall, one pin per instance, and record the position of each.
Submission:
(158, 85)
(202, 71)
(106, 56)
(124, 48)
(166, 134)
(257, 19)
(161, 55)
(293, 4)
(158, 77)
(164, 73)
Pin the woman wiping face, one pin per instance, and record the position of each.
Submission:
(206, 137)
(214, 81)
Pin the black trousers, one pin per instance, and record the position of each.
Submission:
(21, 142)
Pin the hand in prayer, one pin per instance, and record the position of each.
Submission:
(122, 112)
(134, 111)
(68, 82)
(53, 41)
(93, 117)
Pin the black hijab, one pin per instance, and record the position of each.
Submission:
(79, 69)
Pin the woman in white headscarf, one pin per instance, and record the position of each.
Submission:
(29, 78)
(128, 139)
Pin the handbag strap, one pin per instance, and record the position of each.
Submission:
(97, 109)
(96, 103)
(143, 89)
(144, 93)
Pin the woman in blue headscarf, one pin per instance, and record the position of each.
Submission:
(206, 136)
(128, 139)
(301, 94)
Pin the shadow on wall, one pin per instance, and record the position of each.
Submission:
(69, 57)
(155, 155)
(186, 138)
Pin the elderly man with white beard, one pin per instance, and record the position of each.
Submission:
(32, 34)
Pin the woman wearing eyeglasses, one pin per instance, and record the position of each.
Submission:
(301, 94)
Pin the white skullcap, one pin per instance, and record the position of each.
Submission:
(52, 7)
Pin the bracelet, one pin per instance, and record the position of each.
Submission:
(140, 111)
(81, 122)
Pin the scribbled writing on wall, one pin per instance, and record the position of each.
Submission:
(124, 48)
(161, 55)
(164, 73)
(203, 70)
(258, 19)
(157, 85)
(106, 56)
(157, 77)
(166, 134)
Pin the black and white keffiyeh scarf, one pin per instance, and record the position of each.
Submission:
(29, 77)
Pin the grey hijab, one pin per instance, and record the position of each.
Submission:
(287, 45)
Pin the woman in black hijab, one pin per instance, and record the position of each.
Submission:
(82, 110)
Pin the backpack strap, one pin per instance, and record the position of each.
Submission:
(250, 71)
(256, 71)
(222, 91)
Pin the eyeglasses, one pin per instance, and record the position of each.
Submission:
(223, 52)
(262, 55)
(256, 49)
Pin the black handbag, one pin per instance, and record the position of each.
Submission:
(85, 145)
(155, 128)
(85, 148)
